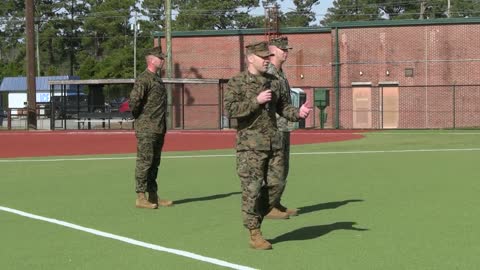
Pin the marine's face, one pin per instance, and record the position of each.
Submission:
(280, 54)
(157, 62)
(258, 63)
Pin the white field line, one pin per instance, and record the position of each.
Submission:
(128, 240)
(415, 133)
(233, 155)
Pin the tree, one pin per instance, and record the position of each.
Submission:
(94, 38)
(12, 38)
(351, 10)
(214, 14)
(154, 12)
(12, 41)
(152, 20)
(303, 14)
(107, 39)
(465, 8)
(362, 10)
(58, 25)
(423, 9)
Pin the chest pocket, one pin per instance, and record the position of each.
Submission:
(251, 91)
(157, 100)
(158, 92)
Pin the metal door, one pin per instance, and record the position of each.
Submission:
(362, 107)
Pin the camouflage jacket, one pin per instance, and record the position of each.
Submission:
(282, 123)
(257, 124)
(148, 102)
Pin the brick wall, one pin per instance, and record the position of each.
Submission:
(439, 55)
(436, 54)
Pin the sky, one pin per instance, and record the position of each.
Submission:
(320, 9)
(288, 5)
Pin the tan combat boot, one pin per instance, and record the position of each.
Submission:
(153, 198)
(289, 211)
(257, 241)
(275, 213)
(142, 202)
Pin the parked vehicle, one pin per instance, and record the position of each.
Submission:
(119, 107)
(72, 106)
(3, 114)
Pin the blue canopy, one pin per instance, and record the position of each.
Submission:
(19, 84)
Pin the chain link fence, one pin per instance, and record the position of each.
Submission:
(409, 107)
(198, 105)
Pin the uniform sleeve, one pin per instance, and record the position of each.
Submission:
(237, 104)
(136, 98)
(284, 108)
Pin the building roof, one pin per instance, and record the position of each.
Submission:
(19, 84)
(239, 32)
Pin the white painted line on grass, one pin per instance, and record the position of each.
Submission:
(233, 155)
(388, 151)
(64, 159)
(418, 133)
(129, 240)
(106, 158)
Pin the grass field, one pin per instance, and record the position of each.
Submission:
(393, 200)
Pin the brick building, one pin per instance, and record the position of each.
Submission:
(381, 74)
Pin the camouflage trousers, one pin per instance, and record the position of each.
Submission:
(286, 164)
(149, 150)
(261, 175)
(286, 150)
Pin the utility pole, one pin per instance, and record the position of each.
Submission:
(31, 91)
(169, 68)
(37, 49)
(72, 56)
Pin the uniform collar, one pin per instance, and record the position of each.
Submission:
(256, 78)
(274, 70)
(151, 73)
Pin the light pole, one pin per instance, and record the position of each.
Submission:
(448, 9)
(169, 60)
(135, 27)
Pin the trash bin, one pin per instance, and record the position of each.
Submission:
(322, 101)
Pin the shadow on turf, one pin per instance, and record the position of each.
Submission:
(313, 232)
(324, 206)
(207, 198)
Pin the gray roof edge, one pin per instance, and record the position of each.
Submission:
(19, 84)
(131, 81)
(249, 31)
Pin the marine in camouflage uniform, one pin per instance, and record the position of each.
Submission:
(279, 47)
(259, 145)
(148, 102)
(282, 122)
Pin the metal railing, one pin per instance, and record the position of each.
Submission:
(183, 105)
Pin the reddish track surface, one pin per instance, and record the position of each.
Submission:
(61, 143)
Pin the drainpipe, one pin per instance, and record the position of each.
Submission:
(337, 80)
(169, 60)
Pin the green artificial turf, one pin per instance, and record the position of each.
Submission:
(372, 203)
